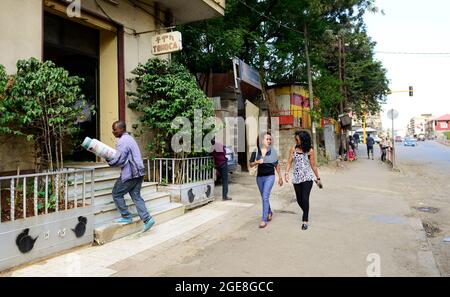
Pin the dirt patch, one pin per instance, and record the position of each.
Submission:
(285, 211)
(431, 228)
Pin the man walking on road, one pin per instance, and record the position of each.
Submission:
(369, 142)
(131, 176)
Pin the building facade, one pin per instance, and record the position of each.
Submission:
(99, 40)
(418, 125)
(438, 126)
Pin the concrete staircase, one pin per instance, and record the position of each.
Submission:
(158, 203)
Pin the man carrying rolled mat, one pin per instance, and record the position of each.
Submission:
(129, 158)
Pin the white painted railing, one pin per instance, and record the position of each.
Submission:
(179, 170)
(43, 193)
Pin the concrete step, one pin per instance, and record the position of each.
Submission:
(106, 203)
(146, 187)
(108, 212)
(102, 196)
(101, 183)
(110, 231)
(102, 186)
(101, 169)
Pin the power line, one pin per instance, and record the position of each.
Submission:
(269, 18)
(411, 53)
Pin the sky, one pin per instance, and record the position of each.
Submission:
(414, 26)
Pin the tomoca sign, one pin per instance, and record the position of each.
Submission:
(167, 43)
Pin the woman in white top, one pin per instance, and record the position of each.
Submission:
(304, 173)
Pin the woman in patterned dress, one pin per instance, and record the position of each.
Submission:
(304, 172)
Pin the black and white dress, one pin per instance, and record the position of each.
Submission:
(302, 169)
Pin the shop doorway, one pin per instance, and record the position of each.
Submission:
(76, 48)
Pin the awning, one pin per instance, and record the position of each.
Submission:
(184, 11)
(367, 130)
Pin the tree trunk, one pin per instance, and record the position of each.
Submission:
(311, 94)
(341, 103)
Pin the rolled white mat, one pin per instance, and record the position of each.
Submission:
(98, 148)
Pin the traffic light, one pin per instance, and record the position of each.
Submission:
(411, 92)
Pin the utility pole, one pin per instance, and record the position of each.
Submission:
(341, 104)
(393, 114)
(311, 94)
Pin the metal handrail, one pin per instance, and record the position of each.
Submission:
(179, 170)
(47, 173)
(58, 181)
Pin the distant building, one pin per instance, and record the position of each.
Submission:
(437, 126)
(372, 121)
(418, 125)
(101, 42)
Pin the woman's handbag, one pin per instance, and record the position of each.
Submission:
(253, 171)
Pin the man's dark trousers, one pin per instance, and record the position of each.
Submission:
(223, 170)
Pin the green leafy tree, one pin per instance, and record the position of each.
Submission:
(3, 80)
(281, 38)
(43, 104)
(164, 92)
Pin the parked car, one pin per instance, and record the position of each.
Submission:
(398, 139)
(421, 137)
(410, 142)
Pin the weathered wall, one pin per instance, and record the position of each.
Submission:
(20, 38)
(15, 152)
(137, 49)
(20, 31)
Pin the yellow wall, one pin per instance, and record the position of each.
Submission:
(20, 38)
(20, 31)
(109, 93)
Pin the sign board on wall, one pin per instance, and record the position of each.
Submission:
(167, 43)
(249, 75)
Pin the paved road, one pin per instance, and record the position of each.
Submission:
(433, 155)
(426, 170)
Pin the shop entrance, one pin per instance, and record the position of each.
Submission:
(76, 48)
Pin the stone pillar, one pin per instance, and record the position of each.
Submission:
(330, 142)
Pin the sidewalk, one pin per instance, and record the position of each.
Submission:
(359, 216)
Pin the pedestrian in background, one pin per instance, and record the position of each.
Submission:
(384, 144)
(304, 172)
(266, 158)
(352, 146)
(356, 139)
(221, 165)
(369, 142)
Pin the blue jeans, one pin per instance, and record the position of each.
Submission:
(132, 186)
(265, 184)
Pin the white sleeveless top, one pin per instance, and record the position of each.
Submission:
(302, 169)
